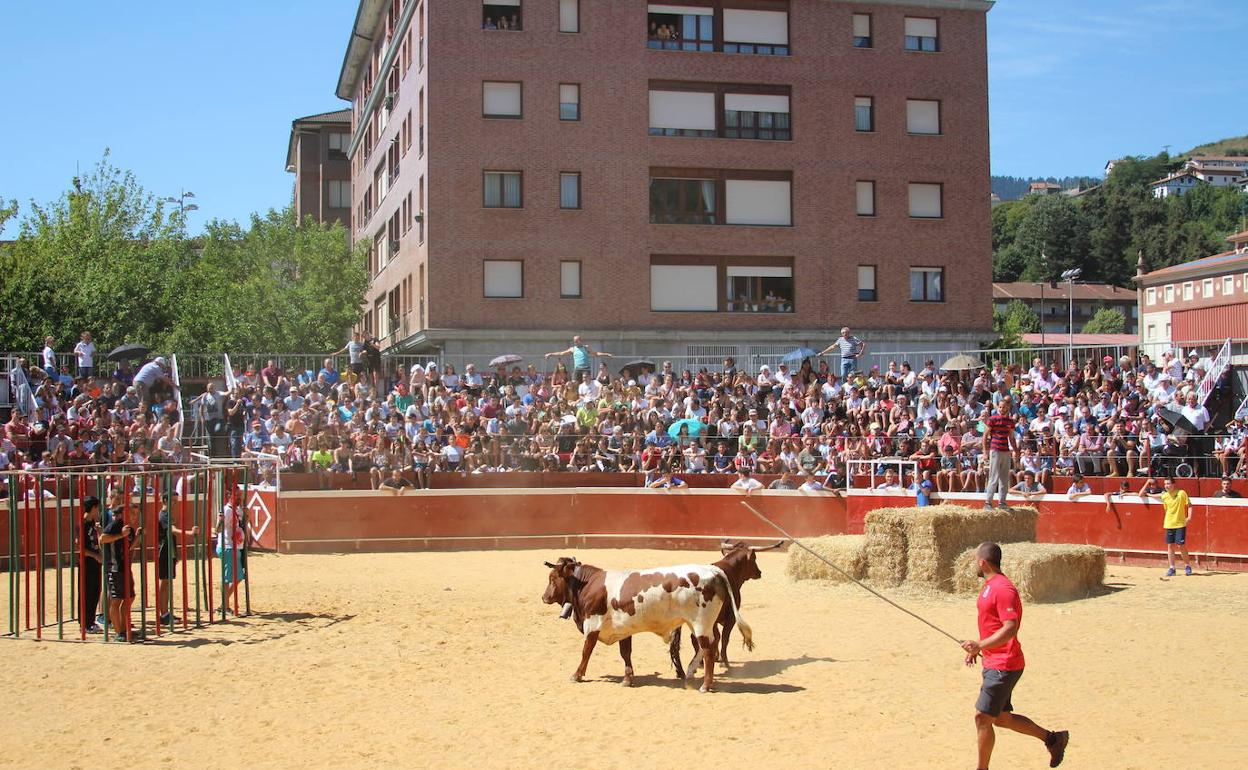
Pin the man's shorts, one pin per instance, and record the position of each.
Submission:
(117, 585)
(357, 367)
(994, 695)
(166, 569)
(1176, 536)
(230, 557)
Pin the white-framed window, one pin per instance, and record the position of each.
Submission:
(338, 193)
(922, 35)
(1152, 331)
(569, 190)
(922, 116)
(758, 289)
(1150, 296)
(862, 30)
(683, 288)
(502, 14)
(747, 31)
(926, 200)
(501, 99)
(569, 15)
(758, 202)
(503, 278)
(569, 101)
(1228, 285)
(1206, 288)
(682, 113)
(927, 284)
(504, 189)
(570, 279)
(866, 283)
(1169, 293)
(865, 189)
(864, 113)
(338, 144)
(1188, 291)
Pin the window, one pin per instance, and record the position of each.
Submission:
(921, 35)
(866, 198)
(757, 116)
(1187, 291)
(569, 101)
(756, 32)
(501, 100)
(682, 113)
(504, 278)
(338, 144)
(381, 180)
(1206, 288)
(503, 189)
(338, 193)
(925, 201)
(682, 201)
(683, 288)
(864, 113)
(569, 190)
(681, 28)
(758, 202)
(866, 283)
(1228, 286)
(570, 279)
(419, 214)
(927, 284)
(1151, 296)
(862, 30)
(569, 15)
(1170, 293)
(922, 116)
(1152, 331)
(758, 289)
(502, 14)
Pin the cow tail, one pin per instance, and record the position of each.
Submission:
(747, 633)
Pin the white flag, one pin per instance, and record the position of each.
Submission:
(177, 392)
(231, 382)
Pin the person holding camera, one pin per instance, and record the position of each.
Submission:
(120, 538)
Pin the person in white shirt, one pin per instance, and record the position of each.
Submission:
(890, 482)
(85, 351)
(811, 484)
(746, 483)
(49, 357)
(1078, 488)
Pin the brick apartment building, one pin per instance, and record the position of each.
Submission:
(705, 177)
(1052, 303)
(317, 156)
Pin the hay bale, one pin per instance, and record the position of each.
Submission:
(885, 547)
(936, 535)
(845, 551)
(1043, 572)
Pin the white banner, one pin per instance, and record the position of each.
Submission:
(1220, 364)
(177, 392)
(23, 395)
(231, 381)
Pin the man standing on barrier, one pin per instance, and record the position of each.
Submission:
(1002, 442)
(119, 535)
(90, 579)
(167, 560)
(1000, 615)
(851, 349)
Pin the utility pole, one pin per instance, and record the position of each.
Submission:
(1069, 277)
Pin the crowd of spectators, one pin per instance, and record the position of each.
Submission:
(1098, 417)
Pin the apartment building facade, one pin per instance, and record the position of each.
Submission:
(1205, 300)
(1052, 302)
(666, 178)
(317, 156)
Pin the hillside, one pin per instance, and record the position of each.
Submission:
(1234, 146)
(1009, 188)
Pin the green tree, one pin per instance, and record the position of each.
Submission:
(1011, 324)
(1051, 238)
(1106, 321)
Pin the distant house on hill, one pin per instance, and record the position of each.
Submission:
(1044, 188)
(1109, 166)
(1220, 172)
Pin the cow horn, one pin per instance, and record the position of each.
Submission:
(552, 566)
(772, 547)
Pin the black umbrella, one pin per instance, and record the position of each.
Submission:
(638, 366)
(128, 352)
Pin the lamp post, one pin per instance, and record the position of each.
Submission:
(183, 206)
(1069, 277)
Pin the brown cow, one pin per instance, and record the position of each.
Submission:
(611, 606)
(725, 621)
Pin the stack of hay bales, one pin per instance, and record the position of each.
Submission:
(845, 551)
(931, 548)
(1042, 572)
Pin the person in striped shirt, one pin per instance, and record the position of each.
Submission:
(850, 348)
(1002, 443)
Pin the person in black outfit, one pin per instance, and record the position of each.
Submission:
(119, 536)
(90, 579)
(167, 559)
(1225, 489)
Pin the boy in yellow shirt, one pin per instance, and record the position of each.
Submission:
(1178, 515)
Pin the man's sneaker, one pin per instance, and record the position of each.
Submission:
(1187, 570)
(1056, 745)
(94, 629)
(166, 619)
(1170, 572)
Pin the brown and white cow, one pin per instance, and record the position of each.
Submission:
(738, 572)
(611, 606)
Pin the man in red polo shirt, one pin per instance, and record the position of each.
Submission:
(1000, 615)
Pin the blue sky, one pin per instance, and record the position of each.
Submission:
(200, 96)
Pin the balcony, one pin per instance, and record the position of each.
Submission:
(757, 32)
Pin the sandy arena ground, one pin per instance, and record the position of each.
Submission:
(451, 660)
